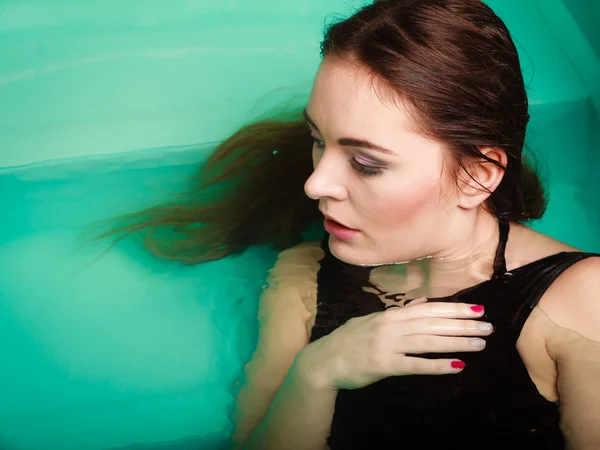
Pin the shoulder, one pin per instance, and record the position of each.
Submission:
(306, 253)
(292, 283)
(297, 264)
(526, 245)
(573, 300)
(573, 343)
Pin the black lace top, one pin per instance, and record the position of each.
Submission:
(492, 404)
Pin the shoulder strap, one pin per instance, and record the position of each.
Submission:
(500, 259)
(547, 273)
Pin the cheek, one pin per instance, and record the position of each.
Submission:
(408, 204)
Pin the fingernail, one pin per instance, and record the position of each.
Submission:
(478, 308)
(478, 343)
(485, 327)
(458, 364)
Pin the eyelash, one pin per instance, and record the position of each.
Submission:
(363, 170)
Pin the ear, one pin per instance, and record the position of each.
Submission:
(480, 177)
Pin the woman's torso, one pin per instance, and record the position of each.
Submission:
(504, 399)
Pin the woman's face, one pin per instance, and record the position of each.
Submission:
(383, 182)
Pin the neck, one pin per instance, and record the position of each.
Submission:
(471, 238)
(467, 260)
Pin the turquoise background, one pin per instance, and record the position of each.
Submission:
(106, 106)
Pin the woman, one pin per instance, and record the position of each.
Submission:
(417, 118)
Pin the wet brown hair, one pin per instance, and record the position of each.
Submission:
(452, 61)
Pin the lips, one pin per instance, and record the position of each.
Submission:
(339, 231)
(337, 222)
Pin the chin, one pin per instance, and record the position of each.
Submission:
(350, 253)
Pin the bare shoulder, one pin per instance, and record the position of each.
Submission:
(573, 300)
(526, 245)
(305, 253)
(294, 275)
(297, 264)
(570, 303)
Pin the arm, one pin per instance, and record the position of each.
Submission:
(299, 417)
(277, 407)
(574, 345)
(578, 361)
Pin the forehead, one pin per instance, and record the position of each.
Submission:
(348, 101)
(344, 94)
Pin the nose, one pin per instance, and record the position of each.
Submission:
(326, 180)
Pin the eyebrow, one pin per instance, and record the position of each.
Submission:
(351, 142)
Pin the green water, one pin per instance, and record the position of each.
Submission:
(131, 350)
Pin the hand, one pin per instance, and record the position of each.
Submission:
(369, 348)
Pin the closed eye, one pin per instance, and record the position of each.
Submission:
(365, 170)
(360, 167)
(319, 144)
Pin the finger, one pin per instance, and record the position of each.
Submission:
(435, 309)
(407, 303)
(409, 365)
(421, 344)
(417, 301)
(441, 327)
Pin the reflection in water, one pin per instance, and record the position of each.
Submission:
(398, 284)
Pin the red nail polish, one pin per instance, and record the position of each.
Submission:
(458, 365)
(478, 308)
